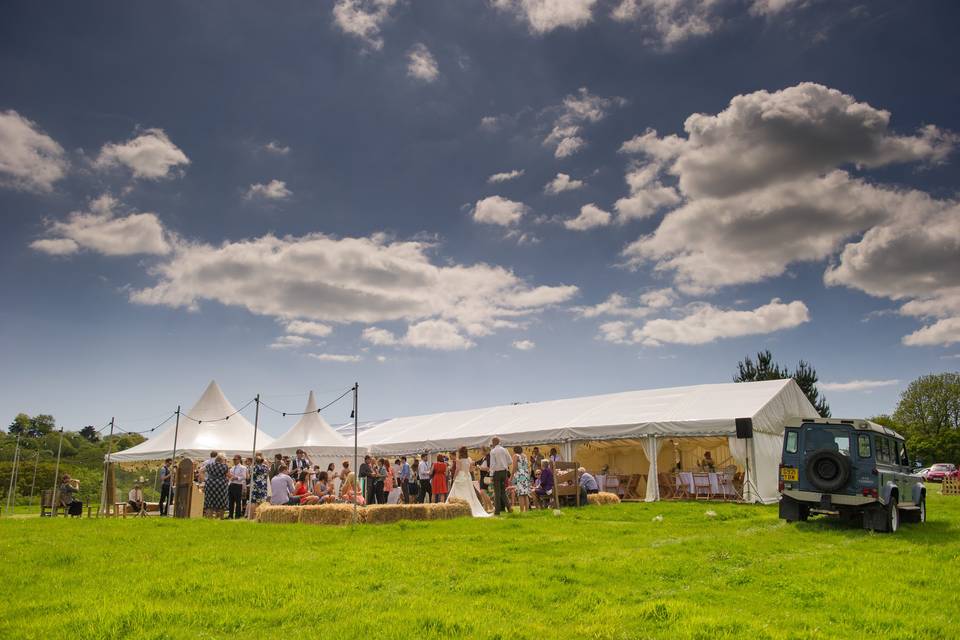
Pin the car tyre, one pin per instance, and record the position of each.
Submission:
(892, 520)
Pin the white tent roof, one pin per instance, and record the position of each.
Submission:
(202, 429)
(312, 434)
(700, 410)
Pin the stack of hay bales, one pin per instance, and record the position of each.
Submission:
(603, 498)
(342, 514)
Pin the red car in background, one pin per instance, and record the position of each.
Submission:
(940, 471)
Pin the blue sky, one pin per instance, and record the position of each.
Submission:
(296, 197)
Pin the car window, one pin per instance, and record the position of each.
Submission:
(863, 445)
(791, 441)
(902, 459)
(834, 439)
(883, 449)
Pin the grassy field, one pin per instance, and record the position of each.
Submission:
(597, 572)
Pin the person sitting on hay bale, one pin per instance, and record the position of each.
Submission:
(301, 491)
(281, 486)
(349, 493)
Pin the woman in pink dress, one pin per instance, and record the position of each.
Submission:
(439, 480)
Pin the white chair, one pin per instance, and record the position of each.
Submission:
(701, 486)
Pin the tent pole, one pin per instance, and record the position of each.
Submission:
(356, 392)
(56, 475)
(256, 425)
(33, 484)
(106, 469)
(176, 432)
(13, 473)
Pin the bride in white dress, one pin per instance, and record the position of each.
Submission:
(463, 485)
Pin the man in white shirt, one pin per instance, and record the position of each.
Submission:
(423, 474)
(135, 498)
(238, 477)
(500, 462)
(281, 488)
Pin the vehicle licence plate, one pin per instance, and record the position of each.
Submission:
(790, 474)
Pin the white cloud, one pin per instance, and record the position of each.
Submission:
(304, 328)
(363, 19)
(150, 155)
(505, 176)
(30, 160)
(577, 110)
(351, 280)
(707, 323)
(669, 22)
(857, 385)
(762, 186)
(618, 305)
(436, 334)
(561, 183)
(290, 342)
(335, 357)
(273, 190)
(647, 194)
(490, 123)
(498, 210)
(379, 337)
(774, 7)
(543, 16)
(381, 358)
(943, 332)
(524, 345)
(276, 148)
(591, 216)
(102, 231)
(421, 64)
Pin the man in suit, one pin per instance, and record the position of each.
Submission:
(166, 476)
(367, 477)
(500, 462)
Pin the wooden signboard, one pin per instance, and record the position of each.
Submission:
(183, 489)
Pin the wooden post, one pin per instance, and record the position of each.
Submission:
(104, 507)
(13, 473)
(56, 478)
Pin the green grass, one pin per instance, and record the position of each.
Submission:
(597, 572)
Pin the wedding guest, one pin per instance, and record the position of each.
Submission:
(484, 466)
(345, 471)
(166, 478)
(438, 487)
(237, 477)
(215, 487)
(282, 488)
(135, 498)
(404, 479)
(301, 463)
(380, 480)
(248, 463)
(587, 482)
(536, 459)
(367, 477)
(275, 465)
(389, 481)
(522, 483)
(323, 488)
(331, 471)
(68, 490)
(554, 455)
(300, 490)
(545, 485)
(258, 482)
(424, 473)
(349, 493)
(500, 463)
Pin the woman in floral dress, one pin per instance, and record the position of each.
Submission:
(522, 483)
(261, 470)
(215, 487)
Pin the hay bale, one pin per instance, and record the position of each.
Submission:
(278, 514)
(603, 498)
(329, 514)
(384, 513)
(458, 508)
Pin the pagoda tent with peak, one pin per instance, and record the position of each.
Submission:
(212, 424)
(315, 436)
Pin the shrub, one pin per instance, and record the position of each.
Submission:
(603, 498)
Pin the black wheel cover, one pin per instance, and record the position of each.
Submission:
(828, 470)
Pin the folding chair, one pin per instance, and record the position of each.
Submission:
(701, 486)
(682, 488)
(667, 490)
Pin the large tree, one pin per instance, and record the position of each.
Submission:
(928, 414)
(90, 433)
(20, 425)
(766, 369)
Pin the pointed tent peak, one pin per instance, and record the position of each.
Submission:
(213, 404)
(311, 404)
